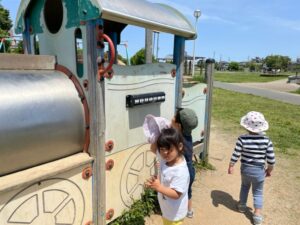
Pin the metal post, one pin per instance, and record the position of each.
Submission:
(114, 38)
(128, 60)
(157, 45)
(209, 70)
(125, 44)
(4, 49)
(197, 14)
(26, 38)
(149, 46)
(178, 60)
(97, 128)
(154, 42)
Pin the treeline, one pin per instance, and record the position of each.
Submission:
(270, 63)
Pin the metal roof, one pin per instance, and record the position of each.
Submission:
(142, 13)
(155, 16)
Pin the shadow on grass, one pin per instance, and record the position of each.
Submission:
(225, 199)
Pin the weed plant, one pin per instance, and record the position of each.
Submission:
(147, 205)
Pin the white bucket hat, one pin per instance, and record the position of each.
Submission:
(254, 122)
(153, 126)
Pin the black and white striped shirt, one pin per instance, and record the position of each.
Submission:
(255, 150)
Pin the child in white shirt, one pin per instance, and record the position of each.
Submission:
(173, 183)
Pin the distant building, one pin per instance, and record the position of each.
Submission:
(169, 58)
(223, 65)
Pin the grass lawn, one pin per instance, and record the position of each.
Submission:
(296, 92)
(244, 77)
(283, 118)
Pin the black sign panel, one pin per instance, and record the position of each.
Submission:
(142, 99)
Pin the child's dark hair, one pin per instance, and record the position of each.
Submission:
(169, 137)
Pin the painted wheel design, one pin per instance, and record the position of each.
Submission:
(49, 202)
(138, 168)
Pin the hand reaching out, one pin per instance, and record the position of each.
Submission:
(153, 183)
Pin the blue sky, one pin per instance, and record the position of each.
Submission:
(231, 30)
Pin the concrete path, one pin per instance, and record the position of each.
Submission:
(277, 85)
(264, 90)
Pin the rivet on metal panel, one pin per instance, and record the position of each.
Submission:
(109, 214)
(87, 173)
(205, 90)
(110, 164)
(109, 145)
(202, 133)
(86, 84)
(173, 72)
(89, 223)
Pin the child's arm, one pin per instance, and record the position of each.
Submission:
(235, 155)
(155, 184)
(270, 159)
(153, 147)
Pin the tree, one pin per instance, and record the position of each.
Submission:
(5, 25)
(252, 67)
(19, 49)
(277, 62)
(139, 58)
(233, 66)
(217, 66)
(5, 21)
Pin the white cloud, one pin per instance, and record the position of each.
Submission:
(217, 19)
(281, 22)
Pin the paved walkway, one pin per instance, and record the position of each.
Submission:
(271, 90)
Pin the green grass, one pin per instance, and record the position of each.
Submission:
(296, 92)
(243, 77)
(199, 78)
(283, 118)
(203, 165)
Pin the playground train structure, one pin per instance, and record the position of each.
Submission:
(72, 149)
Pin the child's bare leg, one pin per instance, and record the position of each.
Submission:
(190, 204)
(257, 211)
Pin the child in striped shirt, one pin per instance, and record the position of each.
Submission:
(255, 150)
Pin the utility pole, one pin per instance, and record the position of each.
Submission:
(197, 14)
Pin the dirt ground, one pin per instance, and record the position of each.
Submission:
(215, 193)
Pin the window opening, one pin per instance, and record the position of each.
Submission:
(53, 14)
(79, 52)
